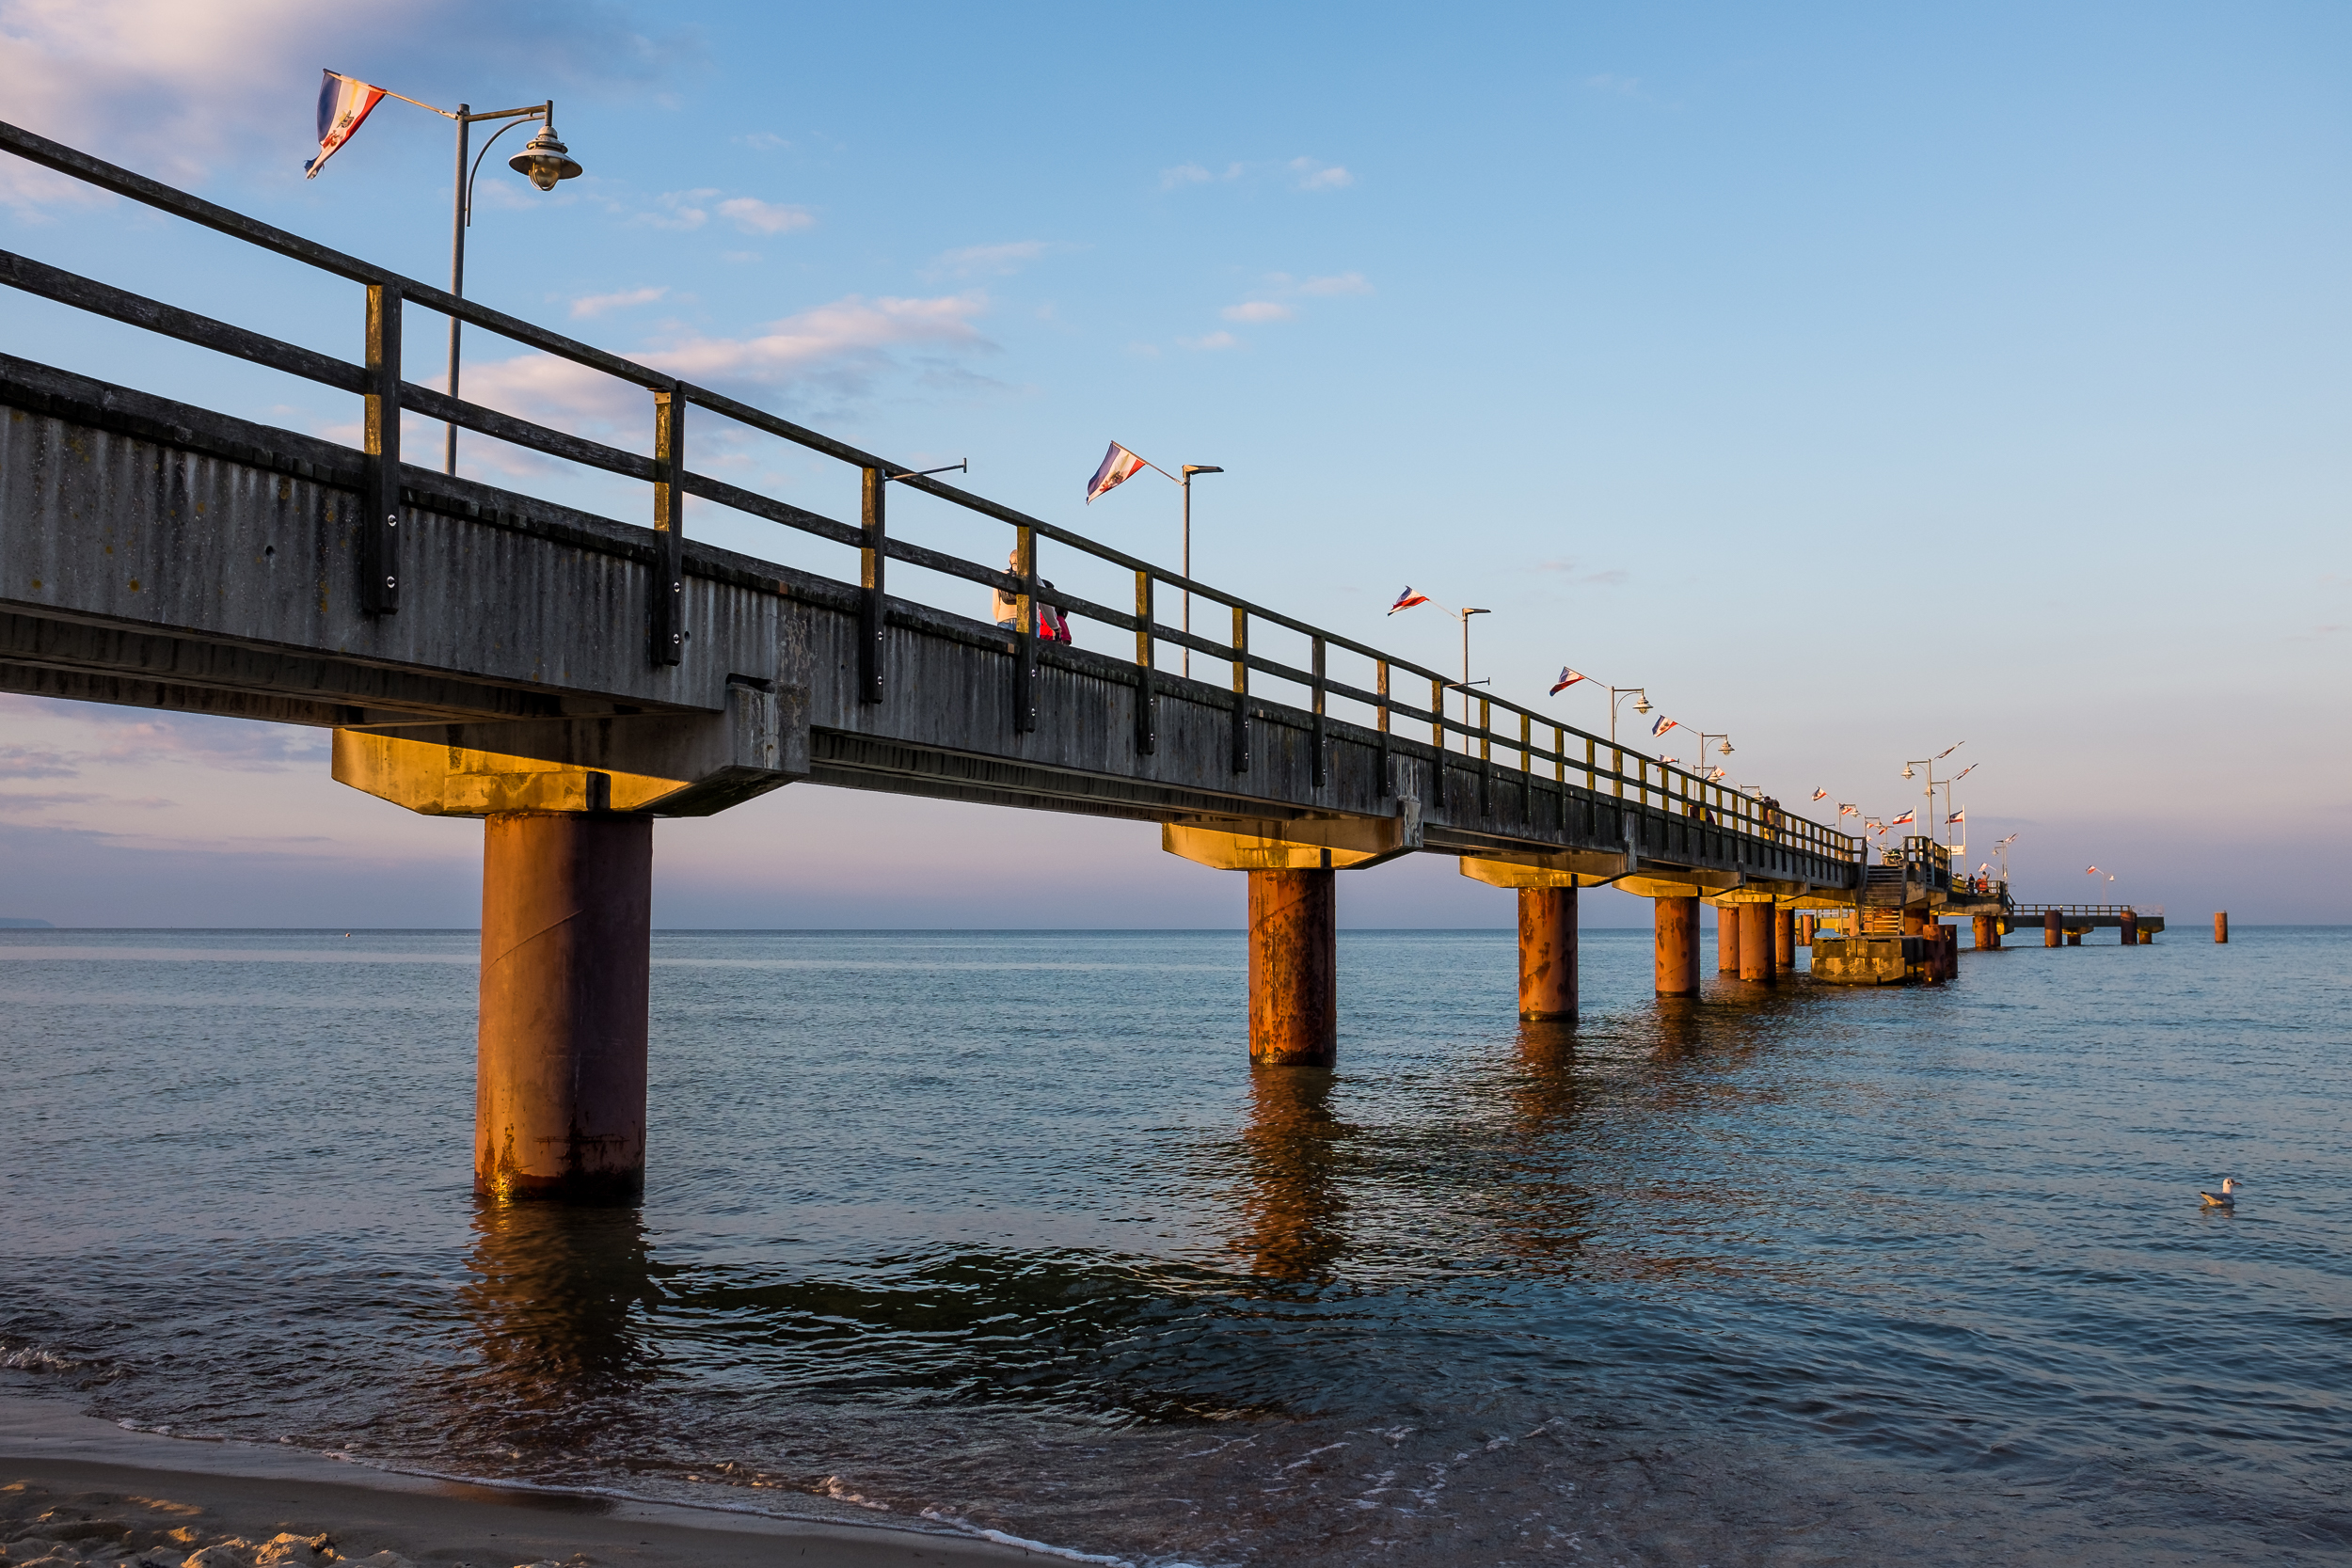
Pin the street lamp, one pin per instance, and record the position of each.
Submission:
(1190, 469)
(1929, 763)
(1463, 616)
(1618, 694)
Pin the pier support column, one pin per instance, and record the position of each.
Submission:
(1915, 922)
(1988, 933)
(2053, 929)
(1785, 939)
(1756, 943)
(2073, 939)
(559, 1082)
(2221, 926)
(1548, 955)
(1677, 929)
(1726, 938)
(1294, 969)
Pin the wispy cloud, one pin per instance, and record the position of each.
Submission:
(999, 261)
(1193, 174)
(589, 306)
(1341, 283)
(762, 141)
(1213, 342)
(1258, 311)
(1576, 572)
(25, 762)
(1313, 176)
(754, 217)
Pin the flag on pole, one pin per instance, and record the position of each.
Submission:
(1949, 749)
(1960, 816)
(1905, 819)
(1119, 466)
(1963, 772)
(1849, 811)
(2093, 872)
(1821, 795)
(1669, 759)
(1875, 826)
(1983, 866)
(1568, 678)
(344, 105)
(1408, 599)
(1713, 774)
(1663, 726)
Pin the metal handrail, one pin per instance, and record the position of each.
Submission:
(1573, 753)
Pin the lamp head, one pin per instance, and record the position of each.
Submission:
(1467, 613)
(1201, 468)
(1906, 770)
(1724, 749)
(1642, 706)
(545, 160)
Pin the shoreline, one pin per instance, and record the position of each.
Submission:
(218, 1489)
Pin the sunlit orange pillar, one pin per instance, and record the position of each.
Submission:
(1293, 968)
(1548, 955)
(1676, 922)
(2221, 926)
(560, 1081)
(2053, 929)
(1785, 939)
(1726, 938)
(1756, 943)
(1988, 931)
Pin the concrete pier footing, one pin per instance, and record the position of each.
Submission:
(1756, 943)
(2131, 928)
(1726, 938)
(2221, 926)
(1785, 940)
(1293, 968)
(1548, 955)
(559, 1082)
(1676, 922)
(2053, 929)
(1988, 932)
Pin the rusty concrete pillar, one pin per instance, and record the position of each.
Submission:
(1293, 968)
(2221, 926)
(1987, 934)
(1548, 955)
(1726, 938)
(1676, 922)
(2074, 937)
(560, 1081)
(2131, 928)
(1756, 943)
(1915, 922)
(1783, 939)
(2147, 936)
(1694, 940)
(2052, 928)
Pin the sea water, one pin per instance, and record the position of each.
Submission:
(1001, 1231)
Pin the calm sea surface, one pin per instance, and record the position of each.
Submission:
(1001, 1231)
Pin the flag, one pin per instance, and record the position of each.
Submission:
(1568, 678)
(2093, 872)
(1984, 867)
(1949, 749)
(1905, 819)
(1663, 726)
(1119, 466)
(1963, 772)
(344, 105)
(1849, 811)
(1714, 773)
(1408, 599)
(1670, 759)
(1960, 816)
(1821, 795)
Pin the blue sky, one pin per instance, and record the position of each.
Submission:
(1858, 379)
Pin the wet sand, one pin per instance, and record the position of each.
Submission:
(87, 1492)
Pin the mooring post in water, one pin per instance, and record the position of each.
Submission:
(1293, 968)
(1548, 955)
(1726, 938)
(2073, 937)
(2131, 928)
(2052, 928)
(566, 928)
(1756, 943)
(1676, 925)
(1785, 939)
(2221, 926)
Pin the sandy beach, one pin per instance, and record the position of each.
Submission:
(79, 1493)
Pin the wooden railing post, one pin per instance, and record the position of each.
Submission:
(379, 502)
(1485, 752)
(1241, 690)
(1024, 630)
(667, 628)
(1437, 713)
(873, 557)
(1319, 741)
(1147, 687)
(1380, 686)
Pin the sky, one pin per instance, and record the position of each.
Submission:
(1857, 380)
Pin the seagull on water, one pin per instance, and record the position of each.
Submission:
(2227, 1197)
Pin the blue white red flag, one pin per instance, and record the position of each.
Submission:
(1963, 772)
(1119, 466)
(1670, 759)
(1844, 809)
(1568, 678)
(1821, 795)
(344, 105)
(2093, 872)
(1906, 818)
(1713, 774)
(1663, 726)
(1960, 816)
(1408, 599)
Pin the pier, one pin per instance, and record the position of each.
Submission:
(573, 679)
